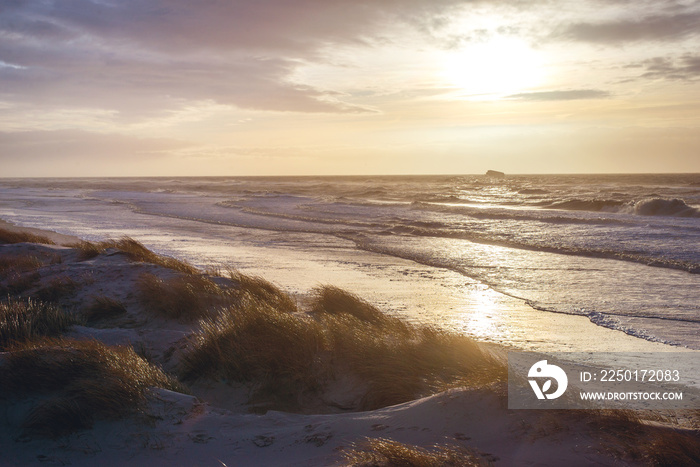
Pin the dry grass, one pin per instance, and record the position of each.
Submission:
(19, 273)
(627, 436)
(186, 297)
(19, 264)
(400, 362)
(260, 290)
(335, 301)
(197, 296)
(135, 251)
(397, 360)
(277, 350)
(103, 308)
(9, 236)
(24, 320)
(292, 355)
(81, 380)
(379, 452)
(17, 284)
(58, 288)
(670, 449)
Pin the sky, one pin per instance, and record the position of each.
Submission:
(336, 87)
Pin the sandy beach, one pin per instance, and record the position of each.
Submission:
(225, 422)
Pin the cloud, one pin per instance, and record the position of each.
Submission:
(650, 28)
(260, 25)
(685, 68)
(138, 86)
(141, 56)
(567, 95)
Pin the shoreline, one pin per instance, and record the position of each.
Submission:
(410, 290)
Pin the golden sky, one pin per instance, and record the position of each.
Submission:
(295, 87)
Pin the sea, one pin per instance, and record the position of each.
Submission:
(621, 252)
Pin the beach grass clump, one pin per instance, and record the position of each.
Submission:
(260, 290)
(19, 273)
(185, 297)
(277, 350)
(22, 320)
(81, 381)
(335, 301)
(57, 288)
(628, 435)
(103, 308)
(297, 354)
(18, 264)
(135, 251)
(672, 448)
(11, 236)
(380, 452)
(399, 362)
(18, 283)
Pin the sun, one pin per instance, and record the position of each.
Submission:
(500, 66)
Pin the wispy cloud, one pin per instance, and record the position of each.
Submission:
(685, 68)
(669, 27)
(567, 95)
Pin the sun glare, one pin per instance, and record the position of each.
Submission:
(500, 66)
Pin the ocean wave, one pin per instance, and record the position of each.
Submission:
(641, 258)
(613, 322)
(438, 198)
(651, 206)
(665, 207)
(609, 205)
(513, 214)
(533, 191)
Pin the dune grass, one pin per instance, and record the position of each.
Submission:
(332, 300)
(626, 434)
(261, 290)
(19, 273)
(10, 236)
(57, 288)
(670, 449)
(292, 355)
(379, 452)
(19, 264)
(103, 308)
(277, 350)
(197, 296)
(398, 361)
(185, 297)
(29, 319)
(81, 381)
(135, 251)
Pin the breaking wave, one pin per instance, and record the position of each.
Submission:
(665, 207)
(646, 207)
(609, 205)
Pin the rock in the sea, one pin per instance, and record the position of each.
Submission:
(494, 173)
